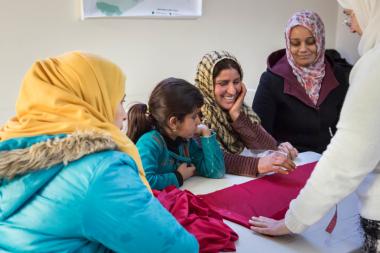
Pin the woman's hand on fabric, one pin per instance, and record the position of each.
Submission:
(236, 108)
(203, 130)
(186, 170)
(276, 161)
(268, 226)
(288, 149)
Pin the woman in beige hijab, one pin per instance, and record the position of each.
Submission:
(220, 79)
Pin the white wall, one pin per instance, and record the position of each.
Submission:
(147, 50)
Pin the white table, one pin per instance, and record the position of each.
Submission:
(345, 238)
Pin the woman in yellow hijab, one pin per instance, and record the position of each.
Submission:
(70, 180)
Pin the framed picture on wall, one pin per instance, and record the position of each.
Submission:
(141, 8)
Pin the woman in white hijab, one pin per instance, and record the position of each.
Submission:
(352, 160)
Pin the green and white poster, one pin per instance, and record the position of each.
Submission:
(141, 8)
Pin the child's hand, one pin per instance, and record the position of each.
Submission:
(236, 108)
(186, 170)
(203, 130)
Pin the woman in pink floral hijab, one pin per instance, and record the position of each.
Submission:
(352, 160)
(300, 95)
(310, 74)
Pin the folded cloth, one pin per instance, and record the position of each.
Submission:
(199, 219)
(268, 196)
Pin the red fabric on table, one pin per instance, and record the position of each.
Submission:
(199, 219)
(268, 196)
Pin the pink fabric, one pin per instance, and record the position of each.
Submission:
(309, 77)
(331, 226)
(199, 219)
(268, 196)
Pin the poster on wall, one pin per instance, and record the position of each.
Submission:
(141, 8)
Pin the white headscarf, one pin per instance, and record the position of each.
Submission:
(367, 13)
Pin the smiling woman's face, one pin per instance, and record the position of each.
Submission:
(227, 87)
(303, 46)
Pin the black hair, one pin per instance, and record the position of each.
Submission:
(171, 97)
(226, 64)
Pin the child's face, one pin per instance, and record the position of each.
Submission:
(188, 127)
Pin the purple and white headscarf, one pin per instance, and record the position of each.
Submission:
(309, 77)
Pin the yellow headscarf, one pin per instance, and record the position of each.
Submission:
(75, 91)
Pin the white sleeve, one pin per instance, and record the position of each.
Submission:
(353, 152)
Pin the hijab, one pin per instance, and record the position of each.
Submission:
(367, 13)
(71, 92)
(309, 77)
(213, 115)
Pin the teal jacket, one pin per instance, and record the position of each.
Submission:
(96, 203)
(160, 163)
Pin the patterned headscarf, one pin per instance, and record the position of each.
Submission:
(214, 116)
(74, 91)
(367, 13)
(309, 77)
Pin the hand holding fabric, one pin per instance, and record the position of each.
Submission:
(268, 226)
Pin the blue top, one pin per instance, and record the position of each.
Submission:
(95, 204)
(160, 163)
